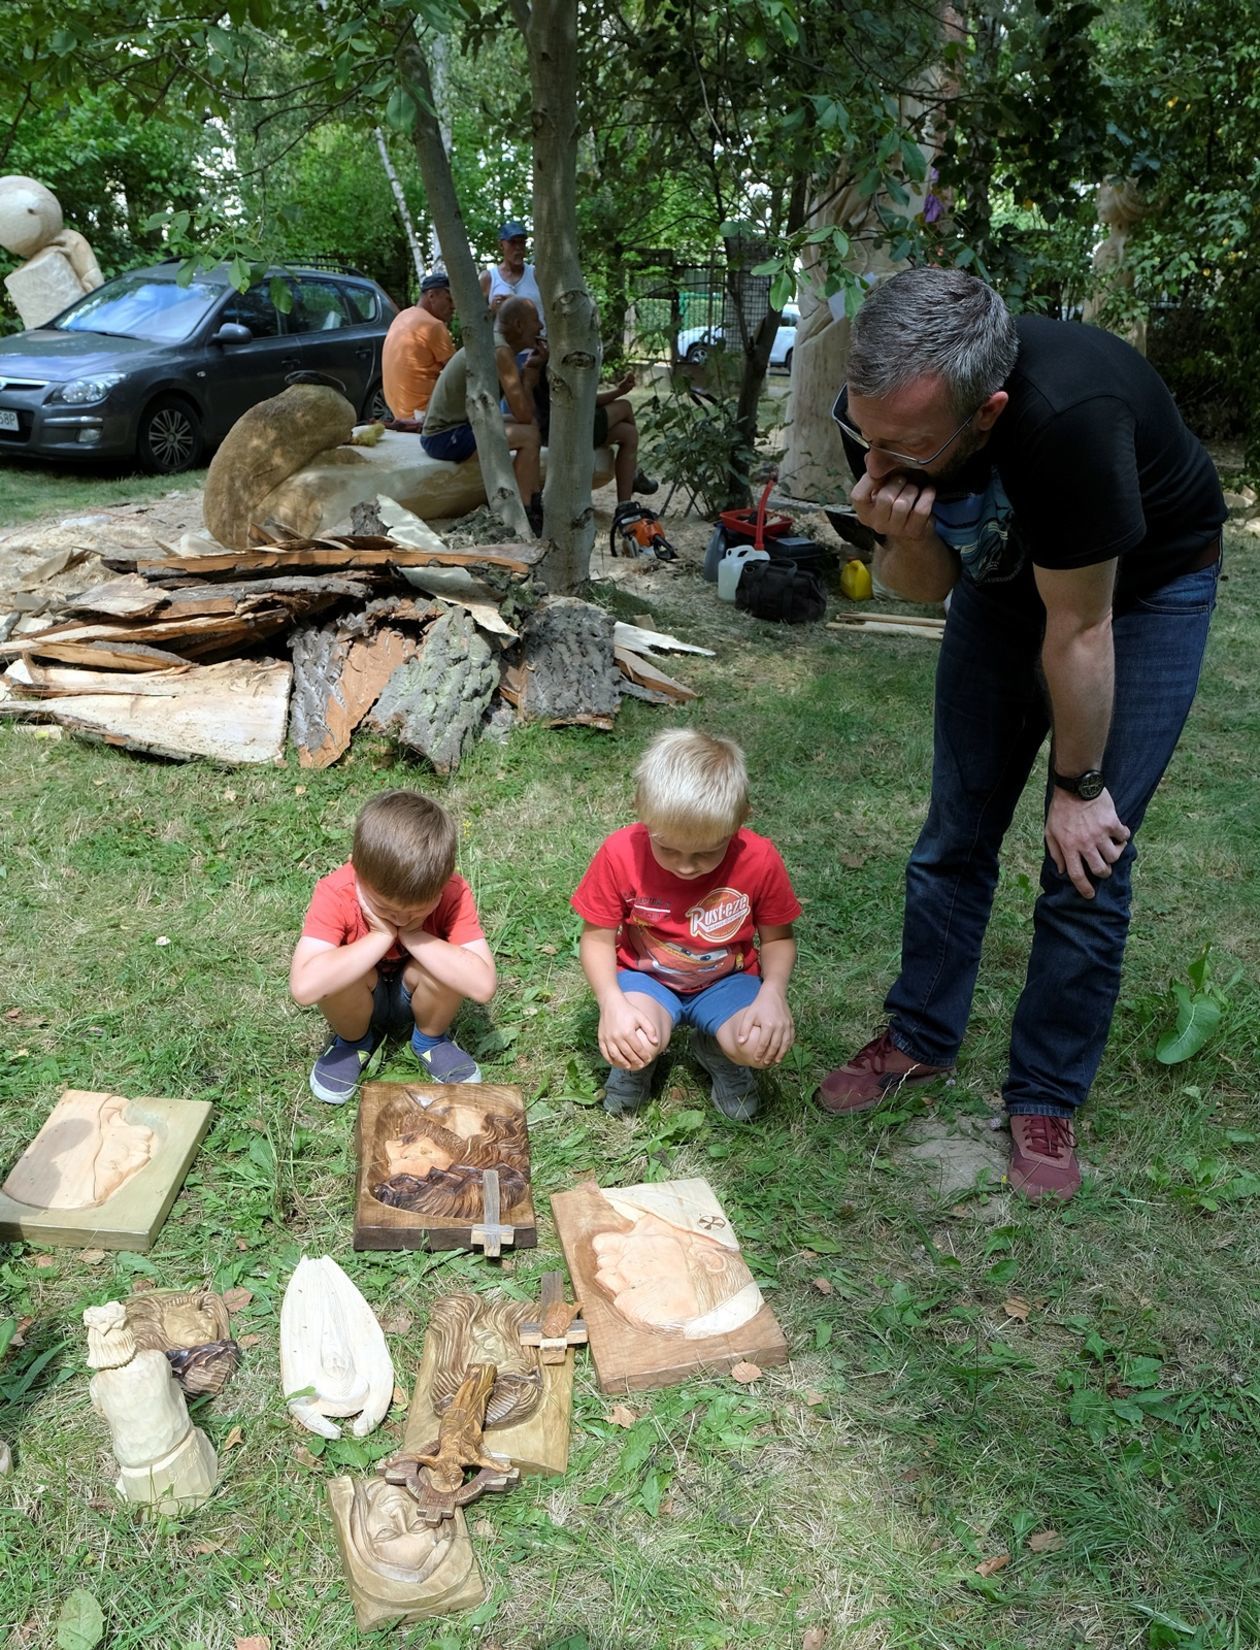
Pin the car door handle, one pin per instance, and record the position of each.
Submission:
(291, 361)
(363, 352)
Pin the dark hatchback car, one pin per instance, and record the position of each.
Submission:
(148, 370)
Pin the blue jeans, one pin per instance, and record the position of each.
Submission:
(991, 720)
(453, 446)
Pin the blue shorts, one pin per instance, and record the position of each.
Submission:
(707, 1009)
(453, 445)
(391, 1005)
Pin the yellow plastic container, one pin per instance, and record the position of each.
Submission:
(855, 581)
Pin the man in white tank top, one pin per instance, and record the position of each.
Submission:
(511, 277)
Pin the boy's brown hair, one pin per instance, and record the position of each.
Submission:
(404, 847)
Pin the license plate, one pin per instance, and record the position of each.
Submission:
(8, 420)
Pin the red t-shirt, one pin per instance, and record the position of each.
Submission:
(688, 931)
(336, 916)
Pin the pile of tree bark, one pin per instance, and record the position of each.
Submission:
(180, 655)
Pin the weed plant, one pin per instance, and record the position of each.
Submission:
(1075, 1388)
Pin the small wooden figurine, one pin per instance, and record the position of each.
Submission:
(555, 1326)
(190, 1326)
(333, 1357)
(162, 1458)
(434, 1476)
(397, 1566)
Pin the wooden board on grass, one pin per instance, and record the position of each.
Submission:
(102, 1172)
(536, 1443)
(422, 1149)
(665, 1291)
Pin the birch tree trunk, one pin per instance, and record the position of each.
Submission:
(400, 200)
(476, 322)
(550, 30)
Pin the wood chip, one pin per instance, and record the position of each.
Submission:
(744, 1372)
(990, 1566)
(236, 1300)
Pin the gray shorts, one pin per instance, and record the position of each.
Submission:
(391, 1006)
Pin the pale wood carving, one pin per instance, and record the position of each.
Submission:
(162, 1458)
(399, 1568)
(556, 1325)
(103, 1170)
(529, 1412)
(665, 1291)
(333, 1357)
(434, 1475)
(422, 1155)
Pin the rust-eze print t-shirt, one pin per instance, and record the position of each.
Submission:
(687, 931)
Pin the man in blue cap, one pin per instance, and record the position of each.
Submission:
(511, 277)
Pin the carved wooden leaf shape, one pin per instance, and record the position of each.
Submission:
(333, 1357)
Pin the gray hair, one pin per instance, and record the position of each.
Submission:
(931, 322)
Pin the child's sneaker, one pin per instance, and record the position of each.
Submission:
(734, 1090)
(444, 1060)
(336, 1075)
(627, 1091)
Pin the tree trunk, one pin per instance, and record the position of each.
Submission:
(572, 320)
(502, 494)
(400, 200)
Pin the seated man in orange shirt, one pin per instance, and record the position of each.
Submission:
(417, 346)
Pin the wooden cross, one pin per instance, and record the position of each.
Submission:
(557, 1326)
(490, 1233)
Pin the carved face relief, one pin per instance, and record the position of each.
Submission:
(467, 1330)
(390, 1536)
(668, 1278)
(434, 1164)
(85, 1152)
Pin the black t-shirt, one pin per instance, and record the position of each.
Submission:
(1088, 461)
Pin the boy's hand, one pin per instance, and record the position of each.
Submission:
(765, 1029)
(376, 924)
(624, 385)
(627, 1037)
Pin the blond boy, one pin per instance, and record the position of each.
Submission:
(392, 943)
(688, 916)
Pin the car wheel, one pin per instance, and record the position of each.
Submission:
(787, 362)
(169, 438)
(698, 354)
(375, 407)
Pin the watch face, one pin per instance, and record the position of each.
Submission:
(1090, 785)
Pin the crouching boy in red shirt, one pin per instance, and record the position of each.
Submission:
(689, 917)
(392, 943)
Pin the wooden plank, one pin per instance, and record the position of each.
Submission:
(100, 657)
(102, 1171)
(641, 641)
(538, 1443)
(665, 1292)
(517, 559)
(429, 1143)
(129, 597)
(233, 712)
(645, 674)
(386, 1597)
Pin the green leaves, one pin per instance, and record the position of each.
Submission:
(1199, 1011)
(81, 1624)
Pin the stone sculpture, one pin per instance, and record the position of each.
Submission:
(1120, 208)
(162, 1458)
(333, 1358)
(397, 1566)
(60, 266)
(86, 1151)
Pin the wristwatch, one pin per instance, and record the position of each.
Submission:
(1087, 785)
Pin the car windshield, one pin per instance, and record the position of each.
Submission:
(137, 306)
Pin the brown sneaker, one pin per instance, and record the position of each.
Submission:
(871, 1076)
(1043, 1157)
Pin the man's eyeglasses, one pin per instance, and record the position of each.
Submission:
(915, 461)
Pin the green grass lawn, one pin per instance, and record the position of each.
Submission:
(921, 1427)
(30, 490)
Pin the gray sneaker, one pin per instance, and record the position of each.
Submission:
(627, 1091)
(446, 1062)
(336, 1075)
(734, 1090)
